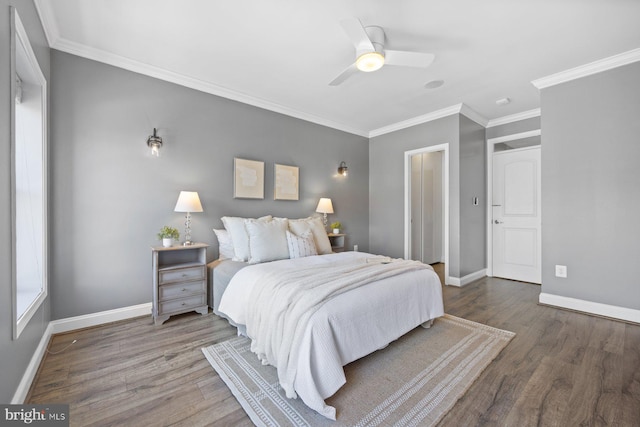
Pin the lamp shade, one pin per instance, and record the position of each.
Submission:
(188, 201)
(325, 206)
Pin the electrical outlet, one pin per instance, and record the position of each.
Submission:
(561, 271)
(355, 248)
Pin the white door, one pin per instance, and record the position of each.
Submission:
(516, 217)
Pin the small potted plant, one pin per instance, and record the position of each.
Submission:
(168, 235)
(336, 227)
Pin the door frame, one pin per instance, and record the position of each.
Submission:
(490, 150)
(407, 200)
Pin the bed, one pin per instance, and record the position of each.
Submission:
(382, 300)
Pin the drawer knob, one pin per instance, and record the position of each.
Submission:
(184, 303)
(184, 274)
(184, 289)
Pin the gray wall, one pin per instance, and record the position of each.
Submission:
(386, 183)
(467, 178)
(110, 197)
(473, 183)
(15, 355)
(591, 187)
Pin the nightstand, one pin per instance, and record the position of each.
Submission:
(337, 242)
(179, 280)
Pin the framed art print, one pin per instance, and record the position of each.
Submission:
(248, 179)
(286, 182)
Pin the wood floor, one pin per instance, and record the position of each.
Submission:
(561, 369)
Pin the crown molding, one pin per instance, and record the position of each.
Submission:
(434, 115)
(514, 118)
(52, 33)
(595, 67)
(197, 84)
(454, 109)
(48, 21)
(472, 114)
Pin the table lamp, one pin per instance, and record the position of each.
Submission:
(325, 207)
(188, 202)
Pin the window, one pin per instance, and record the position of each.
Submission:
(29, 180)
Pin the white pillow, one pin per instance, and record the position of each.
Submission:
(267, 240)
(301, 246)
(239, 237)
(313, 224)
(225, 246)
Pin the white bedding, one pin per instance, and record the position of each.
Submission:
(354, 323)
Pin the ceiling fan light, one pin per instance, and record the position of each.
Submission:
(370, 61)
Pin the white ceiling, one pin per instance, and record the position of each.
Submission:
(281, 54)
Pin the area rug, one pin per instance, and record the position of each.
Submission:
(414, 381)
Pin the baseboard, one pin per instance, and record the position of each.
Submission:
(30, 373)
(100, 318)
(462, 281)
(70, 324)
(590, 307)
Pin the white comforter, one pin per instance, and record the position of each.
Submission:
(354, 324)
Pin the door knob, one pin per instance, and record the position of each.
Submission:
(497, 221)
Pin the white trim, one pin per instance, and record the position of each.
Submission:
(70, 324)
(407, 197)
(514, 118)
(490, 151)
(435, 115)
(48, 21)
(595, 67)
(100, 318)
(463, 281)
(32, 368)
(590, 307)
(429, 117)
(515, 136)
(470, 113)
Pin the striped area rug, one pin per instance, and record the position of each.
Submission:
(414, 381)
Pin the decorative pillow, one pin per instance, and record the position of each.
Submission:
(301, 246)
(225, 246)
(267, 240)
(313, 224)
(239, 237)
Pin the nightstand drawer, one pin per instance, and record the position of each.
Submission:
(183, 304)
(181, 274)
(181, 290)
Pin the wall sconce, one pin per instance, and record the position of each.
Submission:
(342, 169)
(154, 142)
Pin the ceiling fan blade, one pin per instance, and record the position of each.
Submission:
(356, 33)
(408, 59)
(351, 70)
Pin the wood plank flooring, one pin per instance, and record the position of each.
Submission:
(561, 369)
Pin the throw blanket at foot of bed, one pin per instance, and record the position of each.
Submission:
(279, 309)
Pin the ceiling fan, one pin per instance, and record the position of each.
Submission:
(371, 54)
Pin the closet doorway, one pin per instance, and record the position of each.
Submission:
(427, 205)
